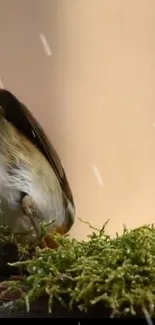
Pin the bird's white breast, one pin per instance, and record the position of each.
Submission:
(48, 200)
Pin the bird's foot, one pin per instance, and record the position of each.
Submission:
(48, 242)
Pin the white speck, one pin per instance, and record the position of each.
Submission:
(39, 272)
(1, 84)
(62, 164)
(98, 175)
(33, 134)
(45, 44)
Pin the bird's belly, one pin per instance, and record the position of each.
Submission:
(49, 203)
(14, 217)
(10, 204)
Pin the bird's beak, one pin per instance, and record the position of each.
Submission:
(48, 241)
(63, 229)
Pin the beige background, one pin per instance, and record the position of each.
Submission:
(94, 94)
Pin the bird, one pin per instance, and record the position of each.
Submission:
(34, 188)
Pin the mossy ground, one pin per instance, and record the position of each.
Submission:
(118, 273)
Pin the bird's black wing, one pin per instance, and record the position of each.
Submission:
(19, 115)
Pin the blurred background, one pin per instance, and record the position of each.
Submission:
(86, 69)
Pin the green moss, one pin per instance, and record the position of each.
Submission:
(116, 272)
(11, 249)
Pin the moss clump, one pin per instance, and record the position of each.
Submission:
(11, 250)
(14, 247)
(118, 273)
